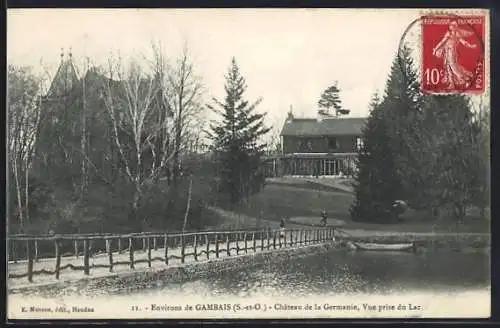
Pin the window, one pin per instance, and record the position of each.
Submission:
(333, 143)
(304, 145)
(359, 143)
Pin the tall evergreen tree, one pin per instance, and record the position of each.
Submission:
(236, 140)
(453, 154)
(401, 105)
(376, 182)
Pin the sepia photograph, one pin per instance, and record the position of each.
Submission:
(248, 163)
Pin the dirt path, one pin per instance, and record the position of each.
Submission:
(246, 220)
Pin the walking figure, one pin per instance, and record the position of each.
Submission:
(324, 218)
(282, 228)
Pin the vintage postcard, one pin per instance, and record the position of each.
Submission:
(248, 163)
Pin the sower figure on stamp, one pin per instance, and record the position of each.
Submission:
(454, 73)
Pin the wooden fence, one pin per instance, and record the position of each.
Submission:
(197, 245)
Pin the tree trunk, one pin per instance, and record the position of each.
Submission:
(26, 191)
(135, 203)
(178, 133)
(459, 212)
(188, 205)
(83, 143)
(19, 197)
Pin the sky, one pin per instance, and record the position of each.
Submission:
(287, 56)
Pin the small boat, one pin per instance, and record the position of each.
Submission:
(384, 247)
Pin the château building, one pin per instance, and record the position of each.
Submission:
(323, 146)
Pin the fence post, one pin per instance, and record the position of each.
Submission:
(58, 258)
(237, 243)
(195, 242)
(154, 244)
(131, 251)
(165, 240)
(228, 244)
(75, 248)
(253, 240)
(110, 254)
(14, 255)
(291, 238)
(148, 244)
(274, 239)
(268, 239)
(261, 240)
(183, 251)
(207, 241)
(216, 245)
(143, 244)
(36, 251)
(86, 269)
(30, 261)
(119, 245)
(245, 240)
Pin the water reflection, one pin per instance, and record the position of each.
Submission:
(344, 272)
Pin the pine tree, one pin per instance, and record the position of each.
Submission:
(330, 99)
(401, 105)
(457, 176)
(376, 182)
(236, 140)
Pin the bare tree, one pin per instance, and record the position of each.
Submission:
(152, 111)
(183, 92)
(24, 104)
(129, 100)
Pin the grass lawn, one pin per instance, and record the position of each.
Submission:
(305, 184)
(303, 202)
(277, 201)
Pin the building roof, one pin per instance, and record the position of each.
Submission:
(326, 126)
(65, 78)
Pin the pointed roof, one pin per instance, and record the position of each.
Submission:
(66, 77)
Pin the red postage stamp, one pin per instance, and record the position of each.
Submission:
(452, 54)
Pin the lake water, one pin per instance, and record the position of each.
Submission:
(439, 284)
(339, 271)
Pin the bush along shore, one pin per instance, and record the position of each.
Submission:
(144, 279)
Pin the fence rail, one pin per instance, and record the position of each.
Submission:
(112, 249)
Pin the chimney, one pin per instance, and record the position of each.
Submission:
(290, 117)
